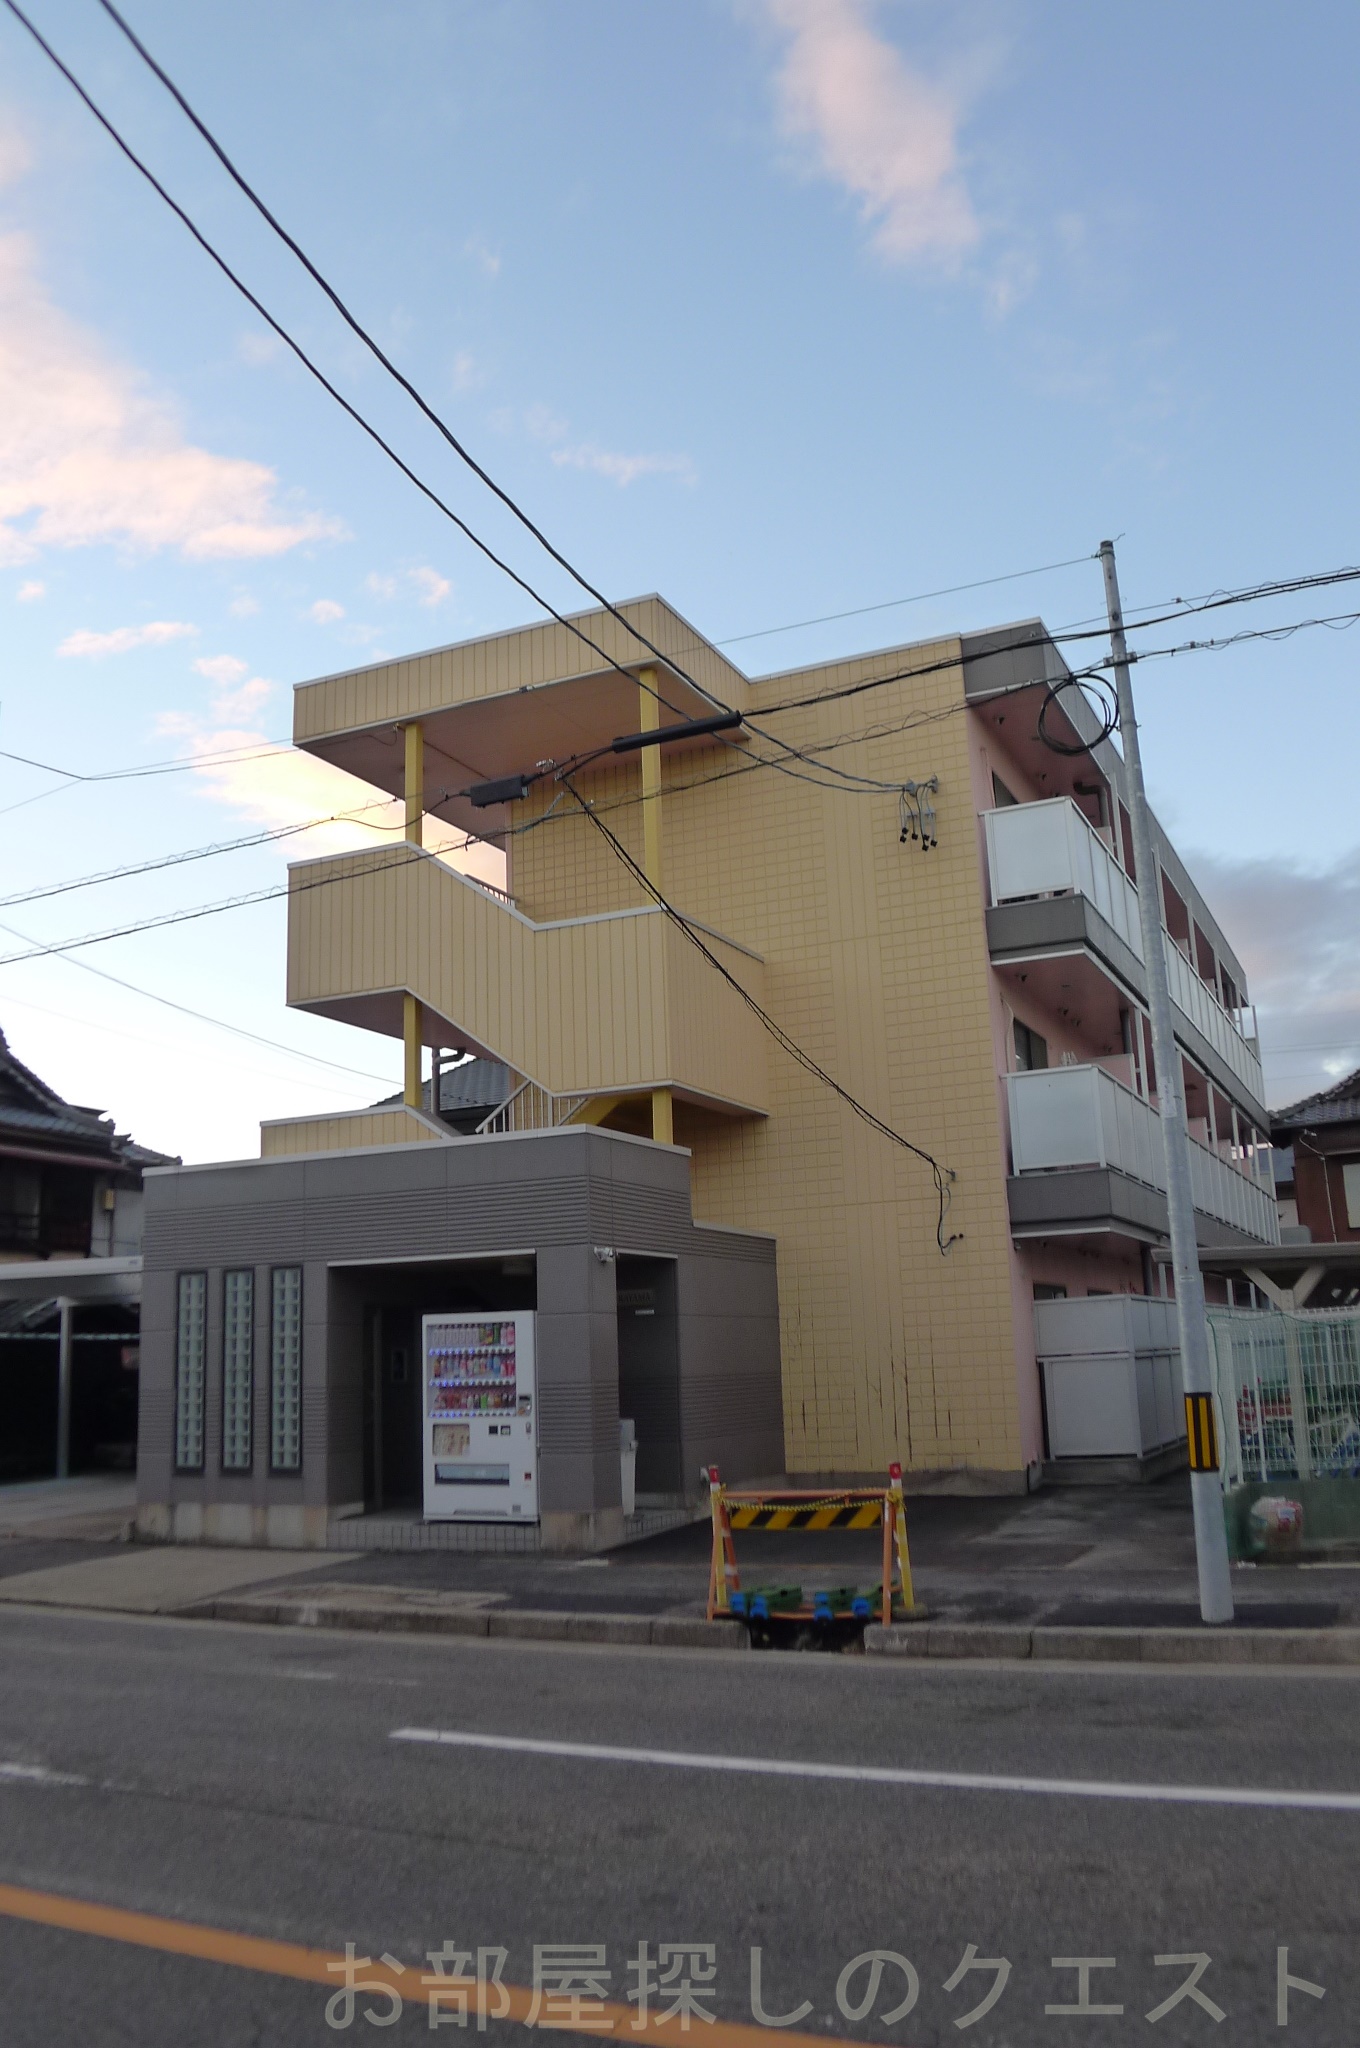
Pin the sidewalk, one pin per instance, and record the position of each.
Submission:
(1043, 1576)
(98, 1506)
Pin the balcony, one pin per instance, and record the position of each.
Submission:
(616, 1004)
(1111, 1372)
(1075, 1121)
(1048, 854)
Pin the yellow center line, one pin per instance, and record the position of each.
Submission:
(272, 1958)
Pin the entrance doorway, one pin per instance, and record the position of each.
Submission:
(386, 1304)
(392, 1469)
(649, 1370)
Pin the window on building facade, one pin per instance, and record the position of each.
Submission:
(1350, 1180)
(285, 1370)
(1031, 1050)
(1001, 796)
(191, 1329)
(238, 1368)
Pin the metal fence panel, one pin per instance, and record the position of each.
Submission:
(1288, 1387)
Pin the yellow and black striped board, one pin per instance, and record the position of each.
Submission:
(1201, 1428)
(845, 1512)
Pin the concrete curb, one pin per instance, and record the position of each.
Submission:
(1118, 1645)
(958, 1641)
(524, 1624)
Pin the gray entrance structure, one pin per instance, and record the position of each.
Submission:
(368, 1241)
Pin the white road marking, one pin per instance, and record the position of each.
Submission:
(37, 1774)
(883, 1774)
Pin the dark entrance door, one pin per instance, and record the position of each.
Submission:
(392, 1469)
(649, 1370)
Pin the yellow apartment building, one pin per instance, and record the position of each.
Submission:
(885, 862)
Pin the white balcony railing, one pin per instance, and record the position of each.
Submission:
(1111, 1367)
(1196, 1000)
(1050, 849)
(1063, 1117)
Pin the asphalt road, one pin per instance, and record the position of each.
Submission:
(248, 1780)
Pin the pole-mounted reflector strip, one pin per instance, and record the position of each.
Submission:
(1201, 1429)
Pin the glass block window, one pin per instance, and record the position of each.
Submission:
(238, 1368)
(190, 1363)
(285, 1416)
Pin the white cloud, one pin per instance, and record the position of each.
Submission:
(1293, 929)
(486, 259)
(433, 587)
(222, 669)
(258, 346)
(269, 784)
(622, 469)
(326, 611)
(244, 702)
(244, 607)
(544, 424)
(30, 592)
(123, 639)
(879, 127)
(88, 454)
(467, 372)
(429, 586)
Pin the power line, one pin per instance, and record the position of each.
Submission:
(175, 765)
(435, 419)
(169, 917)
(1253, 594)
(106, 1030)
(1338, 622)
(171, 860)
(446, 432)
(943, 1175)
(357, 328)
(889, 604)
(314, 370)
(202, 1016)
(849, 784)
(71, 778)
(426, 410)
(442, 427)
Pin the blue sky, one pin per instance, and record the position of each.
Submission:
(781, 307)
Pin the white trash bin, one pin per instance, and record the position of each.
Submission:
(628, 1465)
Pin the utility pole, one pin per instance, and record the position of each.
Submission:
(1211, 1537)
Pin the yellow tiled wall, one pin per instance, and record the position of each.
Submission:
(287, 1137)
(875, 963)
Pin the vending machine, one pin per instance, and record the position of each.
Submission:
(481, 1428)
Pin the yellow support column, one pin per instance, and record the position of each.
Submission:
(411, 1093)
(649, 706)
(413, 787)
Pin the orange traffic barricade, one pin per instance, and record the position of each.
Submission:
(849, 1508)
